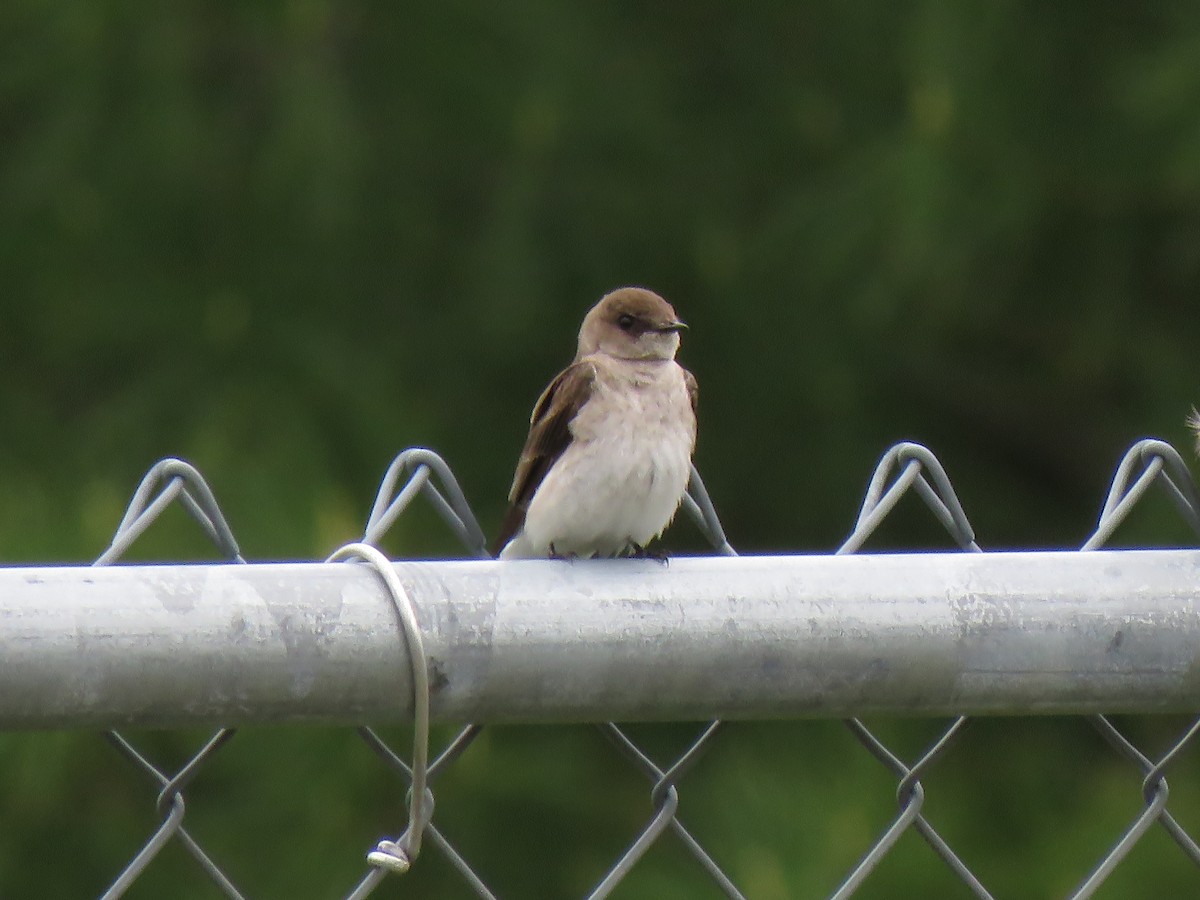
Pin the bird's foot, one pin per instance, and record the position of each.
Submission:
(658, 554)
(569, 557)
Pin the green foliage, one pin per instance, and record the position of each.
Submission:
(285, 241)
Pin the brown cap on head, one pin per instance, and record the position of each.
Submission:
(631, 323)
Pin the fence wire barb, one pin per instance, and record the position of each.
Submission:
(1146, 463)
(1159, 463)
(450, 502)
(173, 479)
(906, 467)
(169, 481)
(918, 468)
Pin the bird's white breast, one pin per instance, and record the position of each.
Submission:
(622, 477)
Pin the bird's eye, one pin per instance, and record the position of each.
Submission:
(625, 321)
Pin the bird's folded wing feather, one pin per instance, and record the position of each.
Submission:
(549, 436)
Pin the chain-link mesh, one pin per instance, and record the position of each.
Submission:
(418, 472)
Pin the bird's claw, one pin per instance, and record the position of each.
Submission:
(658, 554)
(569, 557)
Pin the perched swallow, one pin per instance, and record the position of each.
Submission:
(610, 442)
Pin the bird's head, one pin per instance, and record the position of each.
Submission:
(631, 323)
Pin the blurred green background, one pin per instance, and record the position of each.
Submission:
(285, 241)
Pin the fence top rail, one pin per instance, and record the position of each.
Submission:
(542, 640)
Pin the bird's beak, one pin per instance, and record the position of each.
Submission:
(673, 326)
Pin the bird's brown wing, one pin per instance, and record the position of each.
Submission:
(693, 389)
(549, 435)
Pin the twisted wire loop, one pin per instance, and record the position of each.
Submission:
(398, 855)
(421, 466)
(1147, 462)
(167, 482)
(918, 467)
(664, 795)
(904, 467)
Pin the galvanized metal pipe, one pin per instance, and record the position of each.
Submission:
(700, 638)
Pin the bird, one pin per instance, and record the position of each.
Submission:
(608, 456)
(1194, 423)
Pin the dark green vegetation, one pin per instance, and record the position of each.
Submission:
(285, 241)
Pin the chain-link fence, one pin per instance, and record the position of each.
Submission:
(906, 468)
